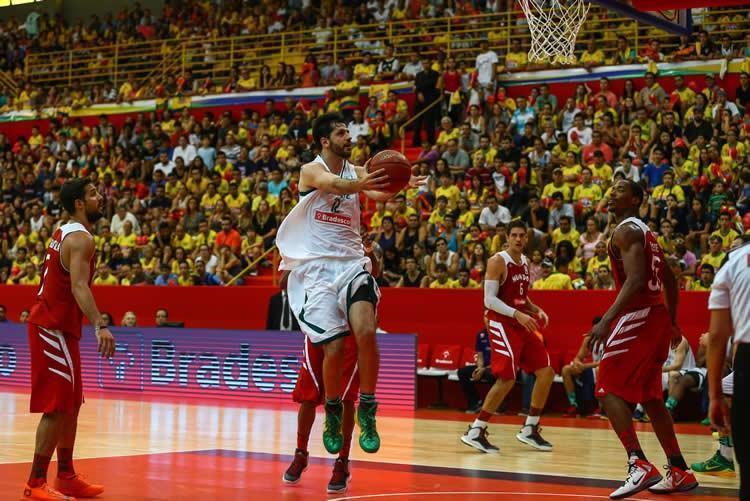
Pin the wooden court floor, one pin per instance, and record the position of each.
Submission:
(144, 450)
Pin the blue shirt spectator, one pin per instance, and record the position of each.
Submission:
(654, 171)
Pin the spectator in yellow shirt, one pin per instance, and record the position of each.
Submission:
(442, 281)
(706, 279)
(516, 59)
(365, 71)
(554, 280)
(234, 199)
(725, 231)
(182, 239)
(592, 56)
(715, 257)
(464, 280)
(448, 190)
(587, 194)
(571, 171)
(557, 186)
(438, 214)
(127, 239)
(29, 277)
(565, 233)
(184, 277)
(447, 132)
(377, 217)
(104, 277)
(668, 187)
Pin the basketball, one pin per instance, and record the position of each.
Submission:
(396, 166)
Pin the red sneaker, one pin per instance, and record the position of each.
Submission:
(571, 411)
(43, 493)
(78, 486)
(641, 476)
(675, 480)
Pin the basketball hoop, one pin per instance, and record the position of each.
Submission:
(554, 26)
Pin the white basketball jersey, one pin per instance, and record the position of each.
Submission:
(321, 225)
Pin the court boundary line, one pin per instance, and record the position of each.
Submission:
(545, 478)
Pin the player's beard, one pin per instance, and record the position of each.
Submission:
(341, 151)
(94, 215)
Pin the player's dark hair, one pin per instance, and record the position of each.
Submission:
(637, 190)
(324, 125)
(72, 190)
(517, 223)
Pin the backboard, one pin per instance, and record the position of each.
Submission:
(673, 20)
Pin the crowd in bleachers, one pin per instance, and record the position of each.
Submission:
(364, 59)
(196, 200)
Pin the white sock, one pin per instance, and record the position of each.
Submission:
(726, 450)
(532, 420)
(639, 408)
(479, 424)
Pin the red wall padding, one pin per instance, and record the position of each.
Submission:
(437, 316)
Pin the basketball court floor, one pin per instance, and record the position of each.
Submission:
(156, 450)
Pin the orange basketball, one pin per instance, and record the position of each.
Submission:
(396, 166)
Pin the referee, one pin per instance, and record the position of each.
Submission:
(730, 312)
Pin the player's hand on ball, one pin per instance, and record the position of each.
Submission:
(106, 342)
(374, 181)
(718, 411)
(526, 321)
(416, 180)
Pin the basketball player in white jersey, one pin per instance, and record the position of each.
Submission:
(729, 303)
(331, 290)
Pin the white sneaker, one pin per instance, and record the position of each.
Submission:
(641, 476)
(476, 436)
(529, 435)
(675, 480)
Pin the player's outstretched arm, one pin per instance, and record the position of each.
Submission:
(629, 240)
(81, 250)
(382, 196)
(314, 175)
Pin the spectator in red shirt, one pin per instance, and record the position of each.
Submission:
(228, 236)
(596, 145)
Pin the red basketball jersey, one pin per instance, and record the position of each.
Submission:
(515, 288)
(55, 306)
(652, 292)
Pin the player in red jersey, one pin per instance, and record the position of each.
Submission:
(514, 340)
(637, 346)
(309, 393)
(54, 329)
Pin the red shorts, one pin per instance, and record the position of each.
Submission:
(514, 348)
(55, 371)
(310, 387)
(634, 354)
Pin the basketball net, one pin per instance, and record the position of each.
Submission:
(554, 26)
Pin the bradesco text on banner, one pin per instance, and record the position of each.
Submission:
(206, 363)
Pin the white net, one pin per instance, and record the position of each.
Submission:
(554, 26)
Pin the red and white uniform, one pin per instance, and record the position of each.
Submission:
(513, 347)
(638, 345)
(310, 386)
(54, 330)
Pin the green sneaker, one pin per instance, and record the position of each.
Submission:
(369, 440)
(333, 439)
(706, 422)
(716, 465)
